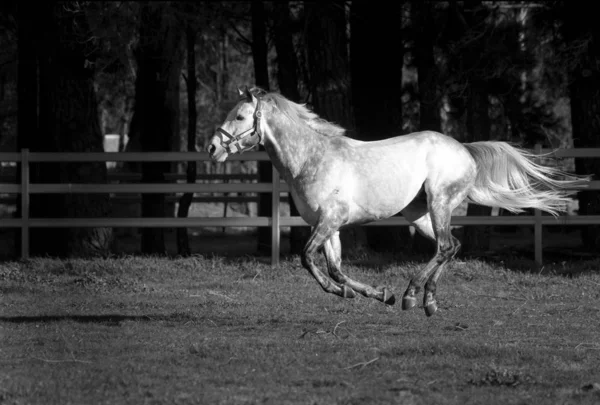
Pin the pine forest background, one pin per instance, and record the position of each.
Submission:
(162, 75)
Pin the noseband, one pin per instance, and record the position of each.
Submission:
(233, 143)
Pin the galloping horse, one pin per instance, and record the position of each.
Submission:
(337, 181)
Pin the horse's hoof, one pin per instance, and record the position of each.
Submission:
(348, 292)
(408, 302)
(387, 296)
(430, 308)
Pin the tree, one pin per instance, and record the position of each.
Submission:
(582, 34)
(261, 77)
(376, 89)
(155, 122)
(424, 33)
(376, 73)
(68, 122)
(328, 61)
(27, 84)
(183, 244)
(329, 77)
(468, 88)
(287, 79)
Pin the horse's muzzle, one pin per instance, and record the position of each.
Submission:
(211, 149)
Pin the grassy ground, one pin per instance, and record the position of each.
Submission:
(236, 331)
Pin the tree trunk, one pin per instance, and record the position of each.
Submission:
(328, 61)
(261, 78)
(327, 57)
(376, 72)
(287, 78)
(429, 98)
(27, 90)
(376, 90)
(183, 243)
(476, 239)
(156, 113)
(581, 27)
(68, 123)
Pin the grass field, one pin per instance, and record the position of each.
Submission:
(212, 330)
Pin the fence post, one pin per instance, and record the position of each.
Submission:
(537, 227)
(275, 231)
(24, 203)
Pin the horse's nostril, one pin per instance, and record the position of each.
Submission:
(211, 149)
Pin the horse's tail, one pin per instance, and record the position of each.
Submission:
(509, 178)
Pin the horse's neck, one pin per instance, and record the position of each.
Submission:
(291, 147)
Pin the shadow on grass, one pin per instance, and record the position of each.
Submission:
(106, 319)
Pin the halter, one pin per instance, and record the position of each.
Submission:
(233, 143)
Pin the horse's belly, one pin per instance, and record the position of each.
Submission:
(372, 205)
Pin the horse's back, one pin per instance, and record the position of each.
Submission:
(380, 178)
(448, 162)
(387, 175)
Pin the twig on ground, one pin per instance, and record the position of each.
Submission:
(335, 328)
(362, 365)
(307, 331)
(73, 360)
(221, 295)
(564, 310)
(229, 361)
(323, 331)
(520, 306)
(470, 289)
(595, 346)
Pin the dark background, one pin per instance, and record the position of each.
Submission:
(71, 72)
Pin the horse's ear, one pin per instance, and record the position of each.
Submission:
(244, 92)
(249, 94)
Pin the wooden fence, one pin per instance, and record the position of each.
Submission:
(275, 221)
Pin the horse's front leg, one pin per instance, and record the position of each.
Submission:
(333, 255)
(308, 261)
(329, 223)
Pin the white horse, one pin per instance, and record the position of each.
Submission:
(337, 181)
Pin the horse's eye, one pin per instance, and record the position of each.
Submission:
(239, 118)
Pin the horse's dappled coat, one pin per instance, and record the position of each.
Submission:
(337, 181)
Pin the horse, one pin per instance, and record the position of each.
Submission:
(337, 181)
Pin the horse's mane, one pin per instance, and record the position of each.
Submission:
(300, 114)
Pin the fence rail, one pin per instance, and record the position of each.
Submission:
(25, 188)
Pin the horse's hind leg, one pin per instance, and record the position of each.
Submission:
(435, 224)
(417, 214)
(333, 255)
(429, 301)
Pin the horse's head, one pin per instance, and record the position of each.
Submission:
(241, 130)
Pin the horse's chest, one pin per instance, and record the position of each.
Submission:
(307, 211)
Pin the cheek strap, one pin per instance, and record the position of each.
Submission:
(233, 143)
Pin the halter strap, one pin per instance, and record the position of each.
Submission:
(233, 142)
